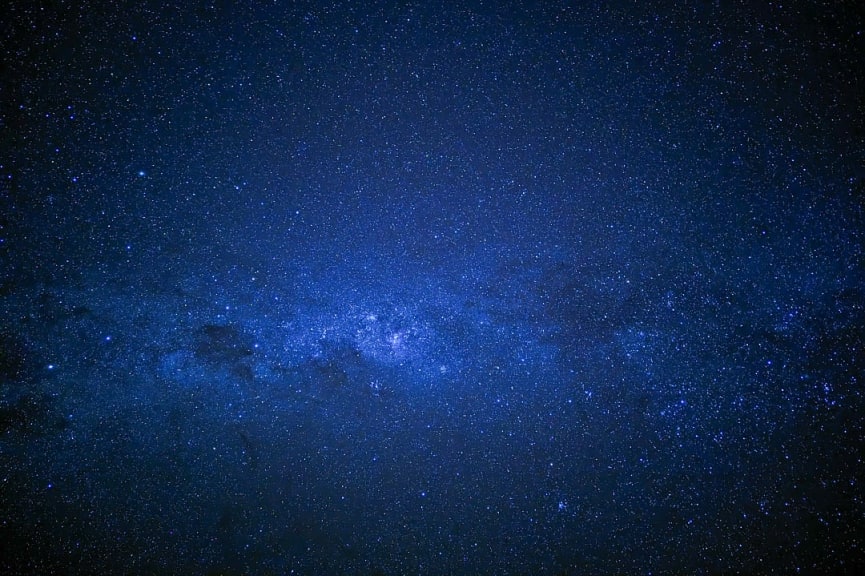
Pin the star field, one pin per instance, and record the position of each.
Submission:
(413, 288)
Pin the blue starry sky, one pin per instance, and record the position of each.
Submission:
(464, 287)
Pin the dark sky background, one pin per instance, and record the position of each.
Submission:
(432, 288)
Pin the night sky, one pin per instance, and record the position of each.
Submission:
(470, 287)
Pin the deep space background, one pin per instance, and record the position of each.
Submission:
(467, 287)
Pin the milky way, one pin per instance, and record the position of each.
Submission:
(406, 288)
